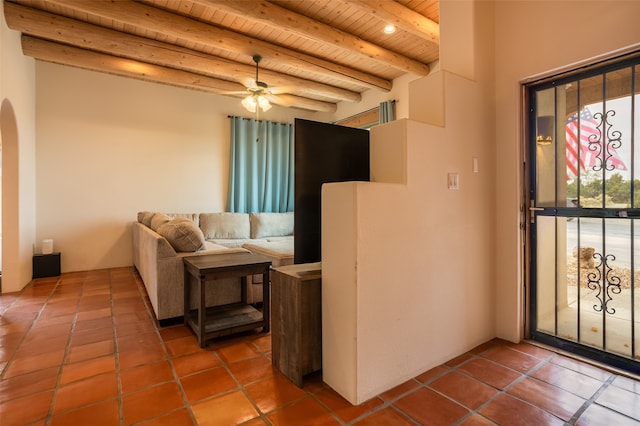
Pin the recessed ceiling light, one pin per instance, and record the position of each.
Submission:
(389, 29)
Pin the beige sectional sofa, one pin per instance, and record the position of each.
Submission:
(161, 241)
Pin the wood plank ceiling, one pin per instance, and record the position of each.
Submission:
(315, 53)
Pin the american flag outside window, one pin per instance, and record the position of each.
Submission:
(590, 147)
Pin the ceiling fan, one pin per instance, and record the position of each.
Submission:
(258, 92)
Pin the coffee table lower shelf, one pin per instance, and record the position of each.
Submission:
(225, 320)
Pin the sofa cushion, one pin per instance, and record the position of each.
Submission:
(285, 238)
(145, 218)
(234, 242)
(271, 224)
(275, 249)
(183, 235)
(224, 225)
(157, 220)
(279, 252)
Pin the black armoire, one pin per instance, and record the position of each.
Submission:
(323, 153)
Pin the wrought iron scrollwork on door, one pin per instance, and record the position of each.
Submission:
(605, 281)
(597, 145)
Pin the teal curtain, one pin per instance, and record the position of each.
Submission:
(261, 166)
(387, 111)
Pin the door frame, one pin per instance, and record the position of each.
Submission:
(528, 228)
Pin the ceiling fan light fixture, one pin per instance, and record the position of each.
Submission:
(255, 101)
(250, 103)
(264, 103)
(258, 92)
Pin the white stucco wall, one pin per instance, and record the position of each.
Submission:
(533, 38)
(408, 268)
(18, 138)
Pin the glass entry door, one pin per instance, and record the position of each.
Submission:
(584, 212)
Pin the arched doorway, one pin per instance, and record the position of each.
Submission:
(9, 200)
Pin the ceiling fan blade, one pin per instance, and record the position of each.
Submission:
(248, 82)
(279, 101)
(234, 92)
(281, 89)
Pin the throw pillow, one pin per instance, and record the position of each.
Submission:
(158, 219)
(145, 218)
(183, 235)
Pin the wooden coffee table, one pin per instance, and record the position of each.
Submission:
(215, 321)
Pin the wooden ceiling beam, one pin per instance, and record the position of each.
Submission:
(65, 30)
(286, 20)
(172, 25)
(81, 58)
(401, 16)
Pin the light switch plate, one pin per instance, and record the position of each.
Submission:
(453, 181)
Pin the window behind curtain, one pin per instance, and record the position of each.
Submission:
(381, 114)
(261, 166)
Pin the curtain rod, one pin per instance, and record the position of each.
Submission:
(362, 112)
(259, 121)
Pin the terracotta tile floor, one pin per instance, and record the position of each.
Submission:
(85, 349)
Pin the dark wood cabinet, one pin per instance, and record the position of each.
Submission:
(296, 320)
